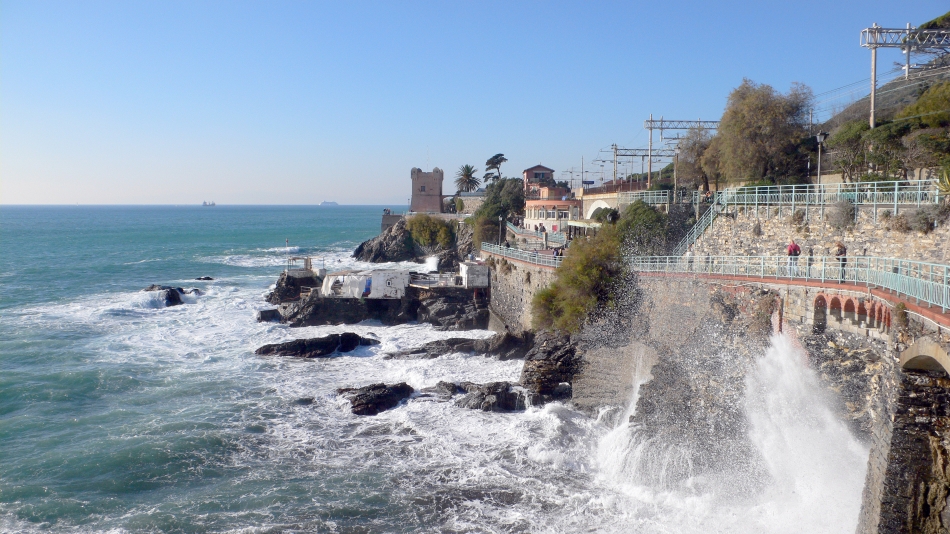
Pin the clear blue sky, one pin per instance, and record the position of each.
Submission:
(298, 102)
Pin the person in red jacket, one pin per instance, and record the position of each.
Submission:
(794, 251)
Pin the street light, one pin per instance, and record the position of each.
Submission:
(500, 228)
(821, 139)
(676, 157)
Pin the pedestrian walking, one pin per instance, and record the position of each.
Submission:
(841, 252)
(794, 251)
(689, 257)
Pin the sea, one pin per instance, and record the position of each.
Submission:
(118, 414)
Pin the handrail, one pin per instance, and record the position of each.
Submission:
(883, 194)
(718, 204)
(553, 237)
(547, 260)
(926, 282)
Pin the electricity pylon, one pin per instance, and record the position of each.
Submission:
(907, 39)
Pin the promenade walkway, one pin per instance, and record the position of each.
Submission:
(923, 285)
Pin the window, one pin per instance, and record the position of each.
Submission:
(422, 188)
(539, 176)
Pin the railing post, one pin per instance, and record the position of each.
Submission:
(895, 197)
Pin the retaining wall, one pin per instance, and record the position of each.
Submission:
(732, 234)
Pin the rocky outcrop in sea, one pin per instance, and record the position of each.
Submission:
(375, 398)
(396, 244)
(317, 347)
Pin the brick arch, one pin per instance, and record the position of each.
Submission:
(862, 309)
(834, 307)
(820, 318)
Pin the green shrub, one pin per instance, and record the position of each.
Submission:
(459, 205)
(584, 281)
(426, 231)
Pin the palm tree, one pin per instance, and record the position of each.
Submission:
(465, 179)
(495, 162)
(943, 184)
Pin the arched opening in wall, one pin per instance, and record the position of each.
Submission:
(820, 321)
(887, 319)
(862, 313)
(872, 315)
(834, 308)
(926, 355)
(849, 310)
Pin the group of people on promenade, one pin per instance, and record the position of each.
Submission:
(793, 250)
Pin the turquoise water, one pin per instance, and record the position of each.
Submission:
(118, 414)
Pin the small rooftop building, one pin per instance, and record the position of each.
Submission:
(536, 177)
(381, 284)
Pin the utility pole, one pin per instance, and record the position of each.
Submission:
(907, 39)
(650, 155)
(615, 163)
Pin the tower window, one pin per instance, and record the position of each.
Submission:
(422, 188)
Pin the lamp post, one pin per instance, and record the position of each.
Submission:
(676, 157)
(821, 139)
(501, 219)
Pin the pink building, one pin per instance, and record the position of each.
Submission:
(426, 191)
(535, 178)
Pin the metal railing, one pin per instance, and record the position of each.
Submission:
(878, 194)
(553, 237)
(547, 260)
(927, 283)
(719, 203)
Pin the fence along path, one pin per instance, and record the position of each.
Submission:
(877, 195)
(926, 283)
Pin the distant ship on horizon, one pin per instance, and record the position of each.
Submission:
(328, 203)
(206, 203)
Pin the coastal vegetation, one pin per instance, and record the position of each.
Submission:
(428, 231)
(502, 198)
(593, 269)
(465, 179)
(494, 164)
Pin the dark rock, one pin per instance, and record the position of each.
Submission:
(395, 244)
(304, 401)
(451, 309)
(502, 346)
(171, 295)
(265, 316)
(375, 398)
(446, 308)
(317, 311)
(553, 359)
(204, 278)
(492, 397)
(289, 285)
(316, 347)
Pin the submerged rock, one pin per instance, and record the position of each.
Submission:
(493, 397)
(375, 398)
(502, 346)
(317, 347)
(171, 295)
(204, 278)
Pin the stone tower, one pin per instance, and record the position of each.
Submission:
(426, 191)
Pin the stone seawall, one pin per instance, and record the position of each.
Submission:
(513, 286)
(733, 234)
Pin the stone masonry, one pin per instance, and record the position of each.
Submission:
(732, 234)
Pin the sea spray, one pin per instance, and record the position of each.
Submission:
(811, 469)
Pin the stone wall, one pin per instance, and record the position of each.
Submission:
(733, 234)
(471, 204)
(426, 190)
(513, 286)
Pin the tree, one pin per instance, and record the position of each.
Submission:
(494, 163)
(850, 148)
(760, 131)
(689, 163)
(465, 179)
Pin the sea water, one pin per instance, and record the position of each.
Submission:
(119, 414)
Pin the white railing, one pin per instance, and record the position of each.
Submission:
(547, 260)
(553, 237)
(927, 283)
